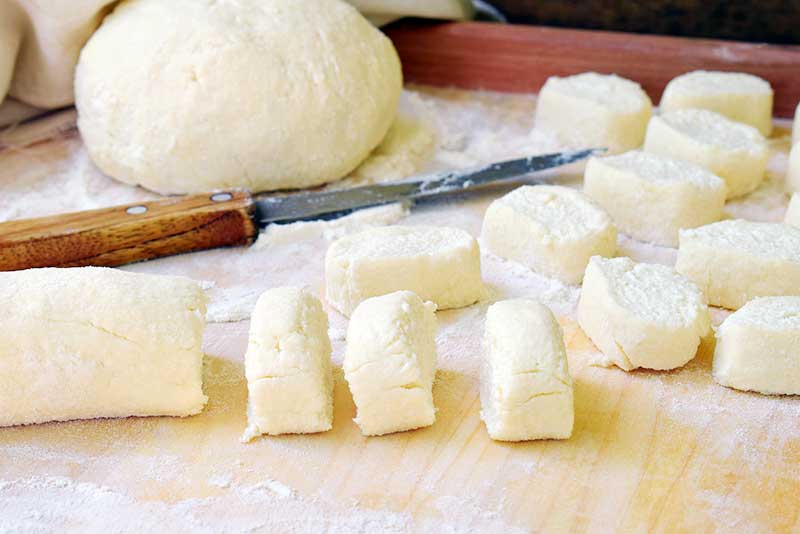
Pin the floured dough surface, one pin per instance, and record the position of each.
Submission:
(735, 261)
(261, 95)
(758, 347)
(735, 152)
(740, 97)
(592, 110)
(641, 315)
(793, 172)
(440, 264)
(288, 365)
(390, 363)
(792, 216)
(651, 197)
(553, 230)
(526, 388)
(796, 126)
(92, 342)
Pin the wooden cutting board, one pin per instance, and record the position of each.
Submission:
(651, 451)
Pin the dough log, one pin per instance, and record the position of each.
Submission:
(92, 342)
(440, 264)
(390, 363)
(758, 347)
(735, 152)
(641, 315)
(526, 388)
(551, 229)
(735, 261)
(288, 365)
(594, 110)
(652, 197)
(740, 97)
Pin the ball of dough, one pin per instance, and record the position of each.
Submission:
(793, 170)
(792, 216)
(651, 197)
(735, 261)
(641, 314)
(593, 110)
(758, 347)
(288, 365)
(390, 363)
(551, 229)
(92, 342)
(735, 152)
(186, 96)
(740, 97)
(439, 264)
(526, 388)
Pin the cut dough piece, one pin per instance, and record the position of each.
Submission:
(592, 110)
(439, 264)
(551, 229)
(651, 197)
(288, 365)
(740, 97)
(526, 388)
(390, 363)
(793, 171)
(641, 315)
(735, 152)
(92, 342)
(736, 261)
(264, 95)
(792, 216)
(758, 347)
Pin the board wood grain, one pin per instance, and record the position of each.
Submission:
(660, 452)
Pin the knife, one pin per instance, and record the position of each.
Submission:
(147, 230)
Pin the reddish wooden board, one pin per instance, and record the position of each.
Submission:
(511, 58)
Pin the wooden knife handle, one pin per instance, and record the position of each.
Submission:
(129, 233)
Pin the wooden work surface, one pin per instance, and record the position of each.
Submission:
(651, 451)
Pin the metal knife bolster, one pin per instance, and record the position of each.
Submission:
(301, 206)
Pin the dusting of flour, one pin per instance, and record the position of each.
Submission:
(182, 475)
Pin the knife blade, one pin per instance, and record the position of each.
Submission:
(136, 232)
(302, 206)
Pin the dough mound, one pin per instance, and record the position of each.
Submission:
(186, 96)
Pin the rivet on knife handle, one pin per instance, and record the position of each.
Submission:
(129, 233)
